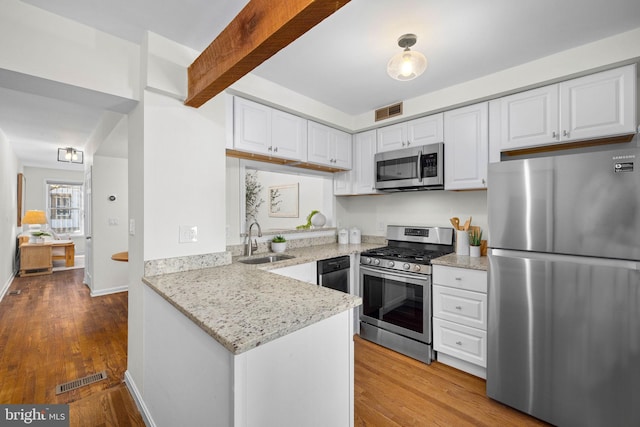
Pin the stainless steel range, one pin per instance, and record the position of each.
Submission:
(395, 285)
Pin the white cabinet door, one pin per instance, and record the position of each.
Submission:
(342, 149)
(328, 146)
(288, 136)
(463, 342)
(342, 183)
(252, 126)
(426, 130)
(598, 105)
(306, 272)
(464, 307)
(529, 118)
(466, 147)
(364, 150)
(392, 137)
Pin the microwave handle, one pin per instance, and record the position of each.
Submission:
(420, 166)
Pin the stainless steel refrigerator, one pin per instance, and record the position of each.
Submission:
(564, 287)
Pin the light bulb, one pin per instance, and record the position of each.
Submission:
(406, 69)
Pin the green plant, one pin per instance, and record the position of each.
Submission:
(279, 239)
(475, 237)
(40, 233)
(308, 224)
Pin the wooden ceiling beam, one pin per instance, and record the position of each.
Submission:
(258, 32)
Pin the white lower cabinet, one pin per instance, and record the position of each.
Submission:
(306, 272)
(460, 318)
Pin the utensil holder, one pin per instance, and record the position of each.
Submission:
(462, 242)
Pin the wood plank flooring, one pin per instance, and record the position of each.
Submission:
(394, 390)
(55, 332)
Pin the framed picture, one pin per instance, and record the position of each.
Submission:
(283, 201)
(22, 196)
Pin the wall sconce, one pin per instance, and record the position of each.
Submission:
(70, 155)
(408, 64)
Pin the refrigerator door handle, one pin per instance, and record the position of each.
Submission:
(541, 256)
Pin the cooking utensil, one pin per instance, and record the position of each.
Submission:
(455, 221)
(466, 225)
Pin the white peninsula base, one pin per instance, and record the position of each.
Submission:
(302, 379)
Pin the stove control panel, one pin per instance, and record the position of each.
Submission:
(386, 264)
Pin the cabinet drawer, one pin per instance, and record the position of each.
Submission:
(465, 307)
(460, 341)
(461, 278)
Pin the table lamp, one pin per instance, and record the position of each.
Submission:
(35, 219)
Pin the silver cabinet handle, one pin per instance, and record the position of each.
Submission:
(565, 133)
(275, 149)
(270, 148)
(458, 307)
(403, 144)
(408, 143)
(554, 135)
(458, 342)
(458, 278)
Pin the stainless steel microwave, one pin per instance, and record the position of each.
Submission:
(415, 168)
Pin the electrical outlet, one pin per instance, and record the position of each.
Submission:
(132, 227)
(188, 234)
(113, 221)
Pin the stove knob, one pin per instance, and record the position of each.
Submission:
(392, 264)
(376, 261)
(417, 267)
(406, 266)
(367, 260)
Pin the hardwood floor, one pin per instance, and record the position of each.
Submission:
(54, 332)
(395, 390)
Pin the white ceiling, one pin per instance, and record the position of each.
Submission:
(341, 62)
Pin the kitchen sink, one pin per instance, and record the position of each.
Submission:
(266, 259)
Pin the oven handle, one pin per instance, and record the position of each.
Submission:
(420, 166)
(407, 278)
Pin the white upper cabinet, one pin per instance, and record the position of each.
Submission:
(603, 104)
(360, 179)
(590, 107)
(263, 130)
(466, 147)
(530, 118)
(422, 131)
(328, 146)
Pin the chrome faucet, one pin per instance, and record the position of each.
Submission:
(253, 246)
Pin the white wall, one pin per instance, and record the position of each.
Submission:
(43, 45)
(36, 191)
(9, 169)
(432, 208)
(109, 177)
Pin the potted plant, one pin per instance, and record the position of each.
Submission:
(38, 236)
(278, 243)
(475, 240)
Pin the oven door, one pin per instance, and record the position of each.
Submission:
(396, 302)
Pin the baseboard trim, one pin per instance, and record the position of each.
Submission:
(5, 287)
(109, 291)
(137, 397)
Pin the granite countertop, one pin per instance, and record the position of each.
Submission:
(242, 306)
(462, 261)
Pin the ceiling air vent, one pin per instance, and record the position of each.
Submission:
(389, 111)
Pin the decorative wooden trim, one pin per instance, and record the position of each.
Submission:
(277, 161)
(570, 145)
(258, 32)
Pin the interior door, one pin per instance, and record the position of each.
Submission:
(88, 247)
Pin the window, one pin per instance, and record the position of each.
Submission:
(65, 207)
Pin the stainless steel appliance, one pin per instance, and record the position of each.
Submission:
(333, 273)
(395, 285)
(415, 168)
(564, 288)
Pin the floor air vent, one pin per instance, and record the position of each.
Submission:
(72, 385)
(17, 292)
(389, 111)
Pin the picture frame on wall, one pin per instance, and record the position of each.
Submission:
(22, 197)
(283, 201)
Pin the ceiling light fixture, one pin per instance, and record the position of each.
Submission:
(408, 64)
(70, 155)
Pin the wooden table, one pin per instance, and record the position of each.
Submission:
(35, 259)
(69, 251)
